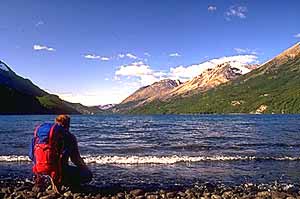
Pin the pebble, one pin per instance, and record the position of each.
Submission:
(137, 192)
(171, 194)
(24, 190)
(227, 195)
(181, 194)
(264, 194)
(215, 196)
(121, 195)
(151, 197)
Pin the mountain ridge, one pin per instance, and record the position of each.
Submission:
(274, 87)
(168, 89)
(21, 96)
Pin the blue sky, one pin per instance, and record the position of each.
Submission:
(100, 51)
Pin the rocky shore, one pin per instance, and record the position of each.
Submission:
(19, 189)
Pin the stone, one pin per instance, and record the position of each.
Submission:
(215, 196)
(68, 195)
(137, 192)
(227, 195)
(264, 194)
(278, 195)
(151, 197)
(10, 190)
(181, 194)
(36, 189)
(19, 197)
(4, 190)
(171, 194)
(206, 194)
(47, 197)
(140, 197)
(188, 192)
(40, 194)
(121, 195)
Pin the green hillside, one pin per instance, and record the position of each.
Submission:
(15, 102)
(272, 88)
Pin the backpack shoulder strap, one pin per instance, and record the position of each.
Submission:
(35, 131)
(51, 134)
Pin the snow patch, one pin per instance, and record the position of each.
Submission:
(240, 66)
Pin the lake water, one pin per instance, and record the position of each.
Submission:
(169, 150)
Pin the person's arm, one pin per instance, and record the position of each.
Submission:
(75, 155)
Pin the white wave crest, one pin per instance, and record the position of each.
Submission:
(14, 158)
(155, 159)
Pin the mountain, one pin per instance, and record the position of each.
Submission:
(208, 79)
(21, 96)
(10, 79)
(166, 90)
(274, 87)
(146, 95)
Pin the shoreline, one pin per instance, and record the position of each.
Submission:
(23, 188)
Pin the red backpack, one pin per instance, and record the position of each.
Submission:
(46, 151)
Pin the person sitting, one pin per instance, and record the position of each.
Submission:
(51, 148)
(80, 173)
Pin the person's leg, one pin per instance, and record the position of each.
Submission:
(85, 175)
(73, 175)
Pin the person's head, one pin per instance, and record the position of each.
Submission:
(63, 120)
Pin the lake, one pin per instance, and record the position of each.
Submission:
(164, 151)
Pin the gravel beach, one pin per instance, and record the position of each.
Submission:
(24, 188)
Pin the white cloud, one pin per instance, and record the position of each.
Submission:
(134, 69)
(236, 11)
(245, 51)
(174, 55)
(92, 56)
(141, 71)
(297, 35)
(212, 8)
(105, 58)
(145, 75)
(40, 47)
(131, 56)
(185, 73)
